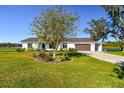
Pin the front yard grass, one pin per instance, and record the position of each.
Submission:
(121, 53)
(7, 49)
(20, 70)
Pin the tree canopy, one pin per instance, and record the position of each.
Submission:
(116, 14)
(98, 29)
(53, 25)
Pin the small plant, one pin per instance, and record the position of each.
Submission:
(67, 57)
(119, 72)
(63, 57)
(20, 49)
(49, 57)
(31, 49)
(72, 50)
(60, 58)
(63, 50)
(38, 50)
(39, 55)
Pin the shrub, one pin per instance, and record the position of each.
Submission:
(20, 49)
(49, 57)
(72, 54)
(38, 50)
(67, 57)
(63, 57)
(45, 56)
(59, 53)
(30, 49)
(72, 50)
(34, 55)
(40, 55)
(63, 50)
(60, 58)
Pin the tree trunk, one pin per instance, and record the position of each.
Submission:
(54, 53)
(123, 48)
(54, 50)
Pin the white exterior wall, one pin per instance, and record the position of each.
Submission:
(92, 48)
(47, 47)
(25, 45)
(60, 46)
(100, 47)
(70, 45)
(40, 46)
(35, 45)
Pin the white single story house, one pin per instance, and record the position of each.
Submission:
(81, 44)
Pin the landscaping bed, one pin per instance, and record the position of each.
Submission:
(47, 57)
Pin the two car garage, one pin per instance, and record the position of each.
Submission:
(83, 47)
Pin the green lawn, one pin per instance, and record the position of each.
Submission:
(121, 53)
(7, 49)
(20, 70)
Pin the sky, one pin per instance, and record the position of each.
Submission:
(15, 20)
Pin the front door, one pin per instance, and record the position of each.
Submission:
(43, 46)
(29, 45)
(96, 46)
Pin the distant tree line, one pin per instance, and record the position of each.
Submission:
(10, 45)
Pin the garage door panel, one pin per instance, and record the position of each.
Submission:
(82, 47)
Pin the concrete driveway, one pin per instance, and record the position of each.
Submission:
(116, 59)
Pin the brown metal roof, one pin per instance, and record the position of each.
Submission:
(30, 40)
(79, 40)
(66, 40)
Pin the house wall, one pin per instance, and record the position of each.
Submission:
(35, 45)
(47, 47)
(92, 48)
(25, 45)
(70, 45)
(100, 47)
(60, 46)
(40, 46)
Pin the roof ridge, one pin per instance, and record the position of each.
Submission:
(34, 39)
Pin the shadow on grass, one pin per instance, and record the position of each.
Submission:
(72, 54)
(119, 71)
(76, 54)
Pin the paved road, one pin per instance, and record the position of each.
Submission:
(116, 59)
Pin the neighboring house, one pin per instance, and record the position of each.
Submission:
(81, 44)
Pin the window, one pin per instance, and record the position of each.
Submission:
(50, 46)
(29, 45)
(64, 45)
